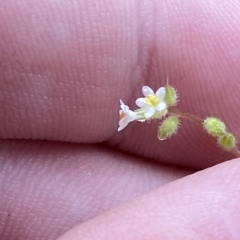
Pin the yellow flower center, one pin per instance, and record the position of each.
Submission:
(152, 100)
(122, 115)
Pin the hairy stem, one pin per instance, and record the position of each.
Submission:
(174, 111)
(235, 152)
(189, 116)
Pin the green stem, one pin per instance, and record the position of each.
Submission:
(193, 118)
(189, 116)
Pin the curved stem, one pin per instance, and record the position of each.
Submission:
(189, 116)
(174, 111)
(235, 152)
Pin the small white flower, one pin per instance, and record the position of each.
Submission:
(126, 116)
(152, 103)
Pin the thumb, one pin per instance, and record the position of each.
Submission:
(204, 205)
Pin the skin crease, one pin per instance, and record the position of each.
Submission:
(64, 65)
(57, 185)
(175, 211)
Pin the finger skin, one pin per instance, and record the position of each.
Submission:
(47, 188)
(204, 205)
(65, 65)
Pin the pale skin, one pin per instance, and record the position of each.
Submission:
(64, 65)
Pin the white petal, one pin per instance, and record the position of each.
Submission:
(126, 120)
(161, 93)
(147, 90)
(141, 120)
(140, 102)
(122, 124)
(161, 106)
(121, 127)
(121, 103)
(132, 116)
(123, 106)
(149, 112)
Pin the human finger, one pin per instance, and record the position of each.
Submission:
(204, 205)
(47, 188)
(63, 73)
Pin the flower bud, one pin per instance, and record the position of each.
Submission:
(170, 96)
(227, 142)
(214, 126)
(168, 127)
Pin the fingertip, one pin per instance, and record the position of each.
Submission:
(204, 205)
